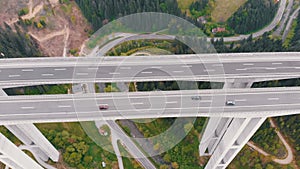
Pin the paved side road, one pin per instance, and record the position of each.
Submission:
(114, 142)
(289, 157)
(285, 18)
(268, 28)
(132, 148)
(261, 151)
(289, 24)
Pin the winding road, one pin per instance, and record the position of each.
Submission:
(288, 158)
(268, 28)
(289, 24)
(121, 37)
(285, 18)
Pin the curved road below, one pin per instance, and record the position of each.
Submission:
(121, 37)
(289, 157)
(279, 29)
(116, 132)
(268, 28)
(289, 24)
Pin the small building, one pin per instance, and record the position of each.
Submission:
(202, 20)
(103, 132)
(218, 29)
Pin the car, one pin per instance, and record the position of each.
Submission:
(103, 107)
(230, 102)
(195, 97)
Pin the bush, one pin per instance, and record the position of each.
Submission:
(27, 22)
(42, 21)
(23, 11)
(74, 52)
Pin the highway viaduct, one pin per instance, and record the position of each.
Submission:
(227, 131)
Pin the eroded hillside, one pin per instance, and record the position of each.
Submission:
(58, 26)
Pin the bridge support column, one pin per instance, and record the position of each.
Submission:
(15, 158)
(217, 126)
(214, 131)
(14, 129)
(238, 133)
(31, 136)
(224, 137)
(238, 83)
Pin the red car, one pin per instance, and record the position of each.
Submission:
(103, 107)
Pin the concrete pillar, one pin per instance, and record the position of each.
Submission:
(30, 135)
(19, 134)
(223, 137)
(217, 126)
(214, 130)
(14, 129)
(39, 140)
(13, 157)
(236, 136)
(9, 163)
(238, 83)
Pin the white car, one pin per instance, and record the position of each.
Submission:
(230, 102)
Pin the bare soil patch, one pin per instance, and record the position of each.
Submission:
(59, 18)
(223, 9)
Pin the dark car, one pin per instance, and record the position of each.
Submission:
(196, 98)
(103, 107)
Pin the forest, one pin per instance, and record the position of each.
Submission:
(254, 15)
(98, 13)
(289, 125)
(38, 90)
(128, 48)
(17, 44)
(198, 5)
(261, 44)
(197, 8)
(267, 139)
(265, 43)
(295, 41)
(177, 85)
(77, 149)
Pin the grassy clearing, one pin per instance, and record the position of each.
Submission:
(290, 35)
(156, 51)
(223, 9)
(184, 5)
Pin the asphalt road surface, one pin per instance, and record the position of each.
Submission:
(207, 67)
(248, 102)
(131, 147)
